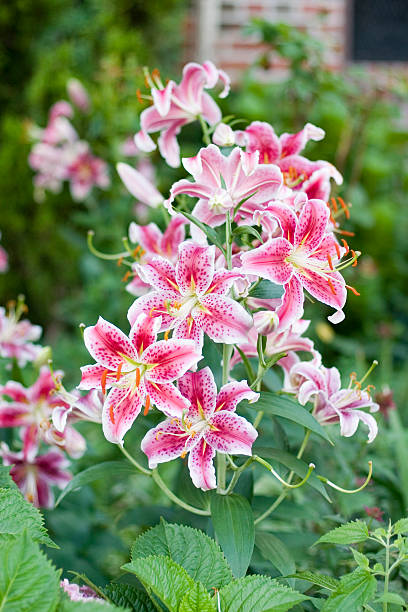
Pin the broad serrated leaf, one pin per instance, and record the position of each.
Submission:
(286, 407)
(198, 554)
(28, 581)
(165, 578)
(197, 600)
(96, 472)
(234, 528)
(321, 580)
(360, 559)
(129, 597)
(391, 598)
(350, 533)
(293, 463)
(91, 605)
(275, 551)
(258, 594)
(266, 290)
(17, 514)
(354, 591)
(6, 481)
(400, 526)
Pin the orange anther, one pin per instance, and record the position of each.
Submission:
(152, 311)
(119, 371)
(136, 250)
(120, 260)
(111, 415)
(166, 334)
(344, 207)
(352, 289)
(147, 405)
(265, 158)
(142, 252)
(158, 434)
(137, 377)
(155, 73)
(346, 233)
(183, 454)
(353, 265)
(346, 246)
(103, 381)
(333, 201)
(332, 219)
(333, 290)
(329, 259)
(336, 246)
(126, 276)
(139, 95)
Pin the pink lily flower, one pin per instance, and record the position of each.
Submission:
(139, 186)
(85, 171)
(35, 474)
(223, 182)
(303, 257)
(151, 242)
(191, 299)
(176, 105)
(312, 177)
(138, 369)
(3, 259)
(78, 95)
(17, 337)
(32, 407)
(332, 404)
(209, 425)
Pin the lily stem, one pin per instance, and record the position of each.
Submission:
(204, 127)
(137, 465)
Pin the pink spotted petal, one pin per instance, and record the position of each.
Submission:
(233, 434)
(148, 236)
(200, 389)
(167, 398)
(165, 442)
(312, 225)
(223, 280)
(286, 217)
(294, 143)
(222, 319)
(201, 467)
(154, 305)
(106, 343)
(120, 411)
(260, 136)
(92, 375)
(15, 414)
(195, 267)
(139, 186)
(189, 330)
(320, 288)
(328, 247)
(144, 331)
(173, 236)
(291, 306)
(44, 384)
(268, 261)
(171, 359)
(159, 273)
(234, 392)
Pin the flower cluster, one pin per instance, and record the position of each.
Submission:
(59, 155)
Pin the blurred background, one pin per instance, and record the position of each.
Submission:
(340, 64)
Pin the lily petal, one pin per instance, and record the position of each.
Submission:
(234, 392)
(232, 434)
(195, 267)
(201, 467)
(200, 389)
(167, 398)
(120, 411)
(106, 343)
(222, 319)
(268, 261)
(170, 358)
(165, 442)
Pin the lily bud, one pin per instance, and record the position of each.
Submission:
(266, 322)
(78, 95)
(224, 136)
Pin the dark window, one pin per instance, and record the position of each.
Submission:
(380, 30)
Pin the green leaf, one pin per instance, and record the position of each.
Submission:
(129, 597)
(198, 554)
(247, 229)
(392, 598)
(400, 526)
(350, 533)
(16, 515)
(285, 406)
(162, 576)
(354, 590)
(197, 600)
(361, 560)
(234, 528)
(267, 290)
(28, 581)
(321, 580)
(208, 231)
(96, 472)
(297, 465)
(6, 481)
(91, 605)
(258, 594)
(275, 551)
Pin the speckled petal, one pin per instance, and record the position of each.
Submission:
(167, 398)
(165, 442)
(120, 411)
(195, 267)
(200, 464)
(268, 261)
(222, 319)
(171, 359)
(234, 392)
(233, 434)
(106, 343)
(159, 273)
(200, 389)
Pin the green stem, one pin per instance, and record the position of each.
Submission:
(204, 127)
(160, 482)
(387, 566)
(286, 490)
(221, 459)
(137, 465)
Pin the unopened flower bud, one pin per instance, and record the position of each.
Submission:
(224, 136)
(78, 95)
(43, 357)
(266, 322)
